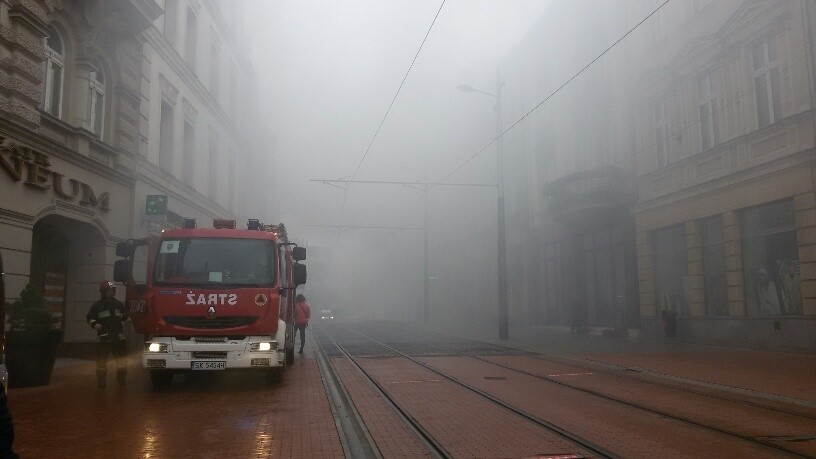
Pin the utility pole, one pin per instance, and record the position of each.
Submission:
(500, 215)
(426, 283)
(503, 314)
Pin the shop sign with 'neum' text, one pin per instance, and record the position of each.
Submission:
(33, 168)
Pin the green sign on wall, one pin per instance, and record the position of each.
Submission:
(156, 204)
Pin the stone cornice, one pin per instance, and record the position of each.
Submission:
(191, 80)
(794, 161)
(758, 170)
(128, 93)
(23, 11)
(38, 142)
(195, 5)
(23, 220)
(226, 32)
(150, 9)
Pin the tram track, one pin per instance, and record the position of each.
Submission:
(629, 373)
(355, 438)
(428, 439)
(596, 393)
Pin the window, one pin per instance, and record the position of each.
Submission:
(716, 294)
(661, 134)
(188, 155)
(166, 137)
(233, 91)
(671, 269)
(170, 20)
(658, 21)
(214, 65)
(212, 176)
(190, 46)
(699, 5)
(770, 259)
(54, 71)
(96, 102)
(766, 81)
(552, 309)
(545, 157)
(603, 279)
(202, 261)
(231, 182)
(139, 264)
(707, 90)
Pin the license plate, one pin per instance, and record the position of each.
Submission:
(218, 365)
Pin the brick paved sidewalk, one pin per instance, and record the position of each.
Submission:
(207, 415)
(777, 374)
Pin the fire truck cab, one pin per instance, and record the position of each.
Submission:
(213, 299)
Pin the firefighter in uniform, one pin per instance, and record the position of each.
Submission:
(106, 317)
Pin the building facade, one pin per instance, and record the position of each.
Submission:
(99, 110)
(570, 186)
(673, 178)
(726, 172)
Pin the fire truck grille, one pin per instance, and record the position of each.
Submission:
(207, 323)
(209, 355)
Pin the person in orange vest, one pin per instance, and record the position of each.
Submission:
(106, 317)
(302, 314)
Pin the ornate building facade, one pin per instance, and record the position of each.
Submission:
(675, 177)
(98, 109)
(726, 174)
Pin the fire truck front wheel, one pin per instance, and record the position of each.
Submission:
(161, 378)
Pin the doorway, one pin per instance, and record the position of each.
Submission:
(67, 263)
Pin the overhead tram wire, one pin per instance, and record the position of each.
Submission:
(377, 132)
(537, 106)
(405, 77)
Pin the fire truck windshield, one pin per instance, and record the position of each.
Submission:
(215, 261)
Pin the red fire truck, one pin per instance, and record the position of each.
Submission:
(213, 298)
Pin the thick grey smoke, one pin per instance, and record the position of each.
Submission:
(328, 71)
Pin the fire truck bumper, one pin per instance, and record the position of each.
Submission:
(164, 353)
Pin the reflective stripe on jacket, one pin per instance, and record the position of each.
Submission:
(110, 314)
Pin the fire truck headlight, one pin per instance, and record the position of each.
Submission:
(155, 347)
(262, 347)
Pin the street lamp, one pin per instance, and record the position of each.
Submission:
(502, 242)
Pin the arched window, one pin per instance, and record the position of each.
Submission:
(54, 71)
(96, 102)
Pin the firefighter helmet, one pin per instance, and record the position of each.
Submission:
(106, 285)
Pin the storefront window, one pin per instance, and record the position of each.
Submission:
(716, 296)
(771, 260)
(671, 270)
(555, 285)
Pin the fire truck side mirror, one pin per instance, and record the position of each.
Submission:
(298, 253)
(123, 249)
(298, 274)
(120, 271)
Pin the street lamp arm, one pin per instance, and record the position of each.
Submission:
(468, 88)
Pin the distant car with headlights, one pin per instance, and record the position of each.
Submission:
(326, 314)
